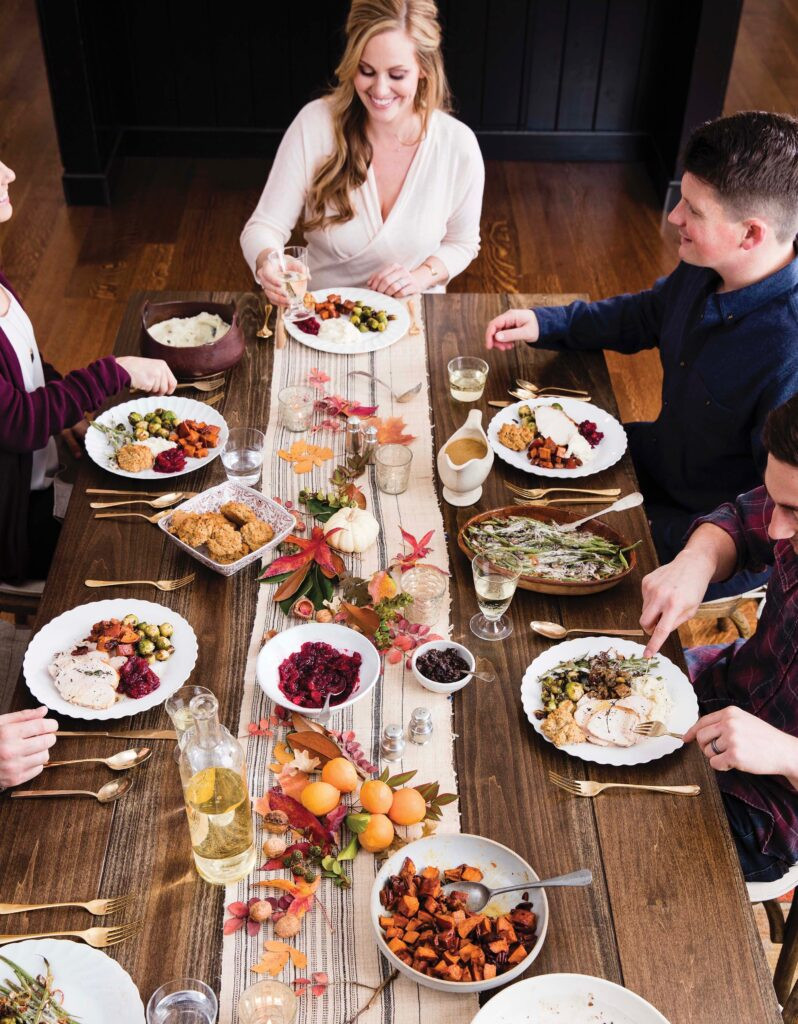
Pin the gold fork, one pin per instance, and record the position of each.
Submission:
(160, 584)
(655, 729)
(215, 399)
(541, 492)
(413, 329)
(141, 515)
(208, 384)
(97, 908)
(583, 788)
(562, 501)
(100, 938)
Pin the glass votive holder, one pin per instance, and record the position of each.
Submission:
(427, 587)
(467, 376)
(267, 1002)
(393, 468)
(242, 455)
(296, 407)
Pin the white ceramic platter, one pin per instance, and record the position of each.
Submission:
(96, 989)
(370, 342)
(567, 999)
(500, 866)
(608, 451)
(67, 630)
(683, 712)
(101, 450)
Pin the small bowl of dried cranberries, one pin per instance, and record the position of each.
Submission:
(298, 667)
(443, 666)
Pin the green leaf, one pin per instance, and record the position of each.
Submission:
(399, 780)
(445, 798)
(358, 823)
(426, 789)
(384, 775)
(350, 850)
(327, 863)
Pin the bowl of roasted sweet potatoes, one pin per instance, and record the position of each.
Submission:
(431, 936)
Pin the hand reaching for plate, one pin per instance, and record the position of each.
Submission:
(151, 375)
(25, 741)
(507, 328)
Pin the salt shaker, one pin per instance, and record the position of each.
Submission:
(420, 728)
(354, 435)
(370, 444)
(392, 744)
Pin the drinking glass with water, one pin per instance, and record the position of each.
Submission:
(242, 455)
(184, 1001)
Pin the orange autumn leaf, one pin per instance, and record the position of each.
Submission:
(303, 892)
(298, 958)
(273, 961)
(305, 456)
(261, 805)
(382, 586)
(390, 430)
(282, 755)
(292, 782)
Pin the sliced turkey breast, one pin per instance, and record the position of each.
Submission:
(613, 725)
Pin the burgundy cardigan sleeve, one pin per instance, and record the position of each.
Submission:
(30, 419)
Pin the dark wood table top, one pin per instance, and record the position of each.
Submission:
(667, 914)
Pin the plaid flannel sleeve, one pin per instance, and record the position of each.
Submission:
(746, 520)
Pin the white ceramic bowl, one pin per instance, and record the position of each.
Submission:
(342, 638)
(500, 866)
(443, 645)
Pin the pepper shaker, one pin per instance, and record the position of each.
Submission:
(392, 744)
(354, 435)
(420, 728)
(370, 444)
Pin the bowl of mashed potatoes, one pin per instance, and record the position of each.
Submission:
(196, 339)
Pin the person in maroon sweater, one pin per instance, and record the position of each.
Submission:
(37, 403)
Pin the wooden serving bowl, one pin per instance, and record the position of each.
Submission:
(547, 514)
(202, 360)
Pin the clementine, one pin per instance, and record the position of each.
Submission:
(341, 773)
(376, 796)
(319, 798)
(378, 834)
(408, 807)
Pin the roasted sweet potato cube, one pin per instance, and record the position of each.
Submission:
(451, 958)
(517, 955)
(396, 944)
(400, 921)
(467, 951)
(485, 926)
(430, 887)
(479, 958)
(465, 927)
(430, 872)
(411, 937)
(468, 974)
(387, 922)
(424, 915)
(407, 906)
(471, 874)
(477, 972)
(405, 956)
(454, 874)
(444, 922)
(393, 933)
(499, 946)
(426, 953)
(430, 905)
(441, 967)
(488, 971)
(458, 916)
(408, 869)
(426, 936)
(455, 972)
(526, 919)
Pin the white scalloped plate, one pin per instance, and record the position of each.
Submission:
(96, 989)
(608, 451)
(69, 628)
(371, 342)
(684, 708)
(101, 451)
(567, 999)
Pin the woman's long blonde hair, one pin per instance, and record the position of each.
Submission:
(345, 170)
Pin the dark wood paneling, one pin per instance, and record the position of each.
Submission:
(581, 64)
(619, 77)
(546, 40)
(503, 69)
(464, 46)
(196, 62)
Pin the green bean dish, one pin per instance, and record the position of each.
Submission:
(541, 549)
(28, 1000)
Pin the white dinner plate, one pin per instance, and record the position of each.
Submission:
(567, 999)
(608, 451)
(683, 712)
(371, 342)
(101, 450)
(68, 629)
(96, 989)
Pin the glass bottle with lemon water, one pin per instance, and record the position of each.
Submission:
(213, 774)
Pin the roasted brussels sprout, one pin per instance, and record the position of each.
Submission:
(145, 647)
(166, 629)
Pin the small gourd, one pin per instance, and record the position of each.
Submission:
(355, 530)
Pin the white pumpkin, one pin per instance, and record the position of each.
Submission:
(356, 528)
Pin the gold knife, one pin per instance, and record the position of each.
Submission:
(130, 734)
(143, 494)
(497, 404)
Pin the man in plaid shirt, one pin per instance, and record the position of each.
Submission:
(747, 691)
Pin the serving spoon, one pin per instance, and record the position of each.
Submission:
(628, 501)
(110, 792)
(405, 395)
(479, 895)
(164, 501)
(554, 631)
(117, 762)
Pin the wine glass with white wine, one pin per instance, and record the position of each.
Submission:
(495, 587)
(291, 265)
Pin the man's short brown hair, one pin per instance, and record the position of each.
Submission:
(751, 159)
(780, 434)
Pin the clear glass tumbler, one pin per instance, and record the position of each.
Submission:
(427, 587)
(467, 377)
(183, 1001)
(267, 1002)
(242, 455)
(393, 468)
(495, 587)
(296, 407)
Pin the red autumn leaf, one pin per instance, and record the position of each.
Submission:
(300, 819)
(238, 909)
(340, 406)
(276, 863)
(320, 983)
(418, 549)
(313, 549)
(335, 817)
(317, 379)
(232, 924)
(389, 430)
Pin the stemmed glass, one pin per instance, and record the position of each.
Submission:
(291, 265)
(495, 587)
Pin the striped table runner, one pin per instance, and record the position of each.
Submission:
(349, 953)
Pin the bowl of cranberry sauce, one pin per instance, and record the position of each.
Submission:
(300, 666)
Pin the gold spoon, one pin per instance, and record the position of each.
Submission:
(163, 502)
(118, 762)
(554, 631)
(110, 792)
(527, 385)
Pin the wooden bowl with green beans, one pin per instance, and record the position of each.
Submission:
(587, 561)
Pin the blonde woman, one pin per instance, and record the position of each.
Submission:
(385, 185)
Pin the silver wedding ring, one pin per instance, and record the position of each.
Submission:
(714, 745)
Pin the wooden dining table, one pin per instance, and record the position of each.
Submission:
(667, 914)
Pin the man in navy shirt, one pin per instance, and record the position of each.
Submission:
(725, 322)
